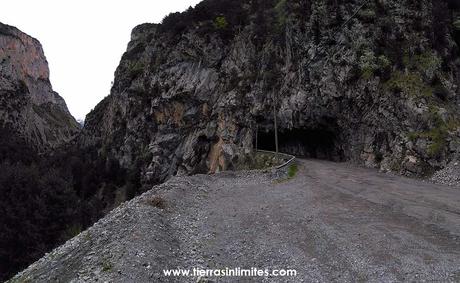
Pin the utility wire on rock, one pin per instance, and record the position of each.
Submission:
(340, 29)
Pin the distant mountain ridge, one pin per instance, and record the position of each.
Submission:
(29, 106)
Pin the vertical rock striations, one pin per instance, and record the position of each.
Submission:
(190, 94)
(30, 108)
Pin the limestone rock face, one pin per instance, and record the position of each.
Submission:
(381, 89)
(29, 106)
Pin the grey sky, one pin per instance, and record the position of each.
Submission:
(84, 40)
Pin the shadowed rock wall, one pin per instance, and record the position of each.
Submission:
(191, 93)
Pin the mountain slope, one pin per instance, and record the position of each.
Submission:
(29, 107)
(191, 94)
(331, 223)
(39, 207)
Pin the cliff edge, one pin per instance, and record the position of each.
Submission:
(30, 109)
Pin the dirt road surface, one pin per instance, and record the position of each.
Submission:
(332, 222)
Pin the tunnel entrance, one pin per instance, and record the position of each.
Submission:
(318, 143)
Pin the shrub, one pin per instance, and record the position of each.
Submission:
(107, 265)
(135, 68)
(427, 61)
(439, 90)
(441, 20)
(456, 24)
(367, 15)
(281, 13)
(221, 15)
(158, 202)
(292, 170)
(370, 64)
(409, 83)
(14, 148)
(220, 22)
(43, 203)
(438, 133)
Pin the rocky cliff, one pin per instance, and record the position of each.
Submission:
(375, 84)
(30, 109)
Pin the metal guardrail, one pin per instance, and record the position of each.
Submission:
(286, 163)
(290, 160)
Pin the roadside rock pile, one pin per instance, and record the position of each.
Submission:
(448, 176)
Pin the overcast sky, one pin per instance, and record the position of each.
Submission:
(84, 39)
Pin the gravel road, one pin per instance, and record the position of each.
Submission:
(333, 222)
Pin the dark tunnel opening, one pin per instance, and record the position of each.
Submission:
(318, 143)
